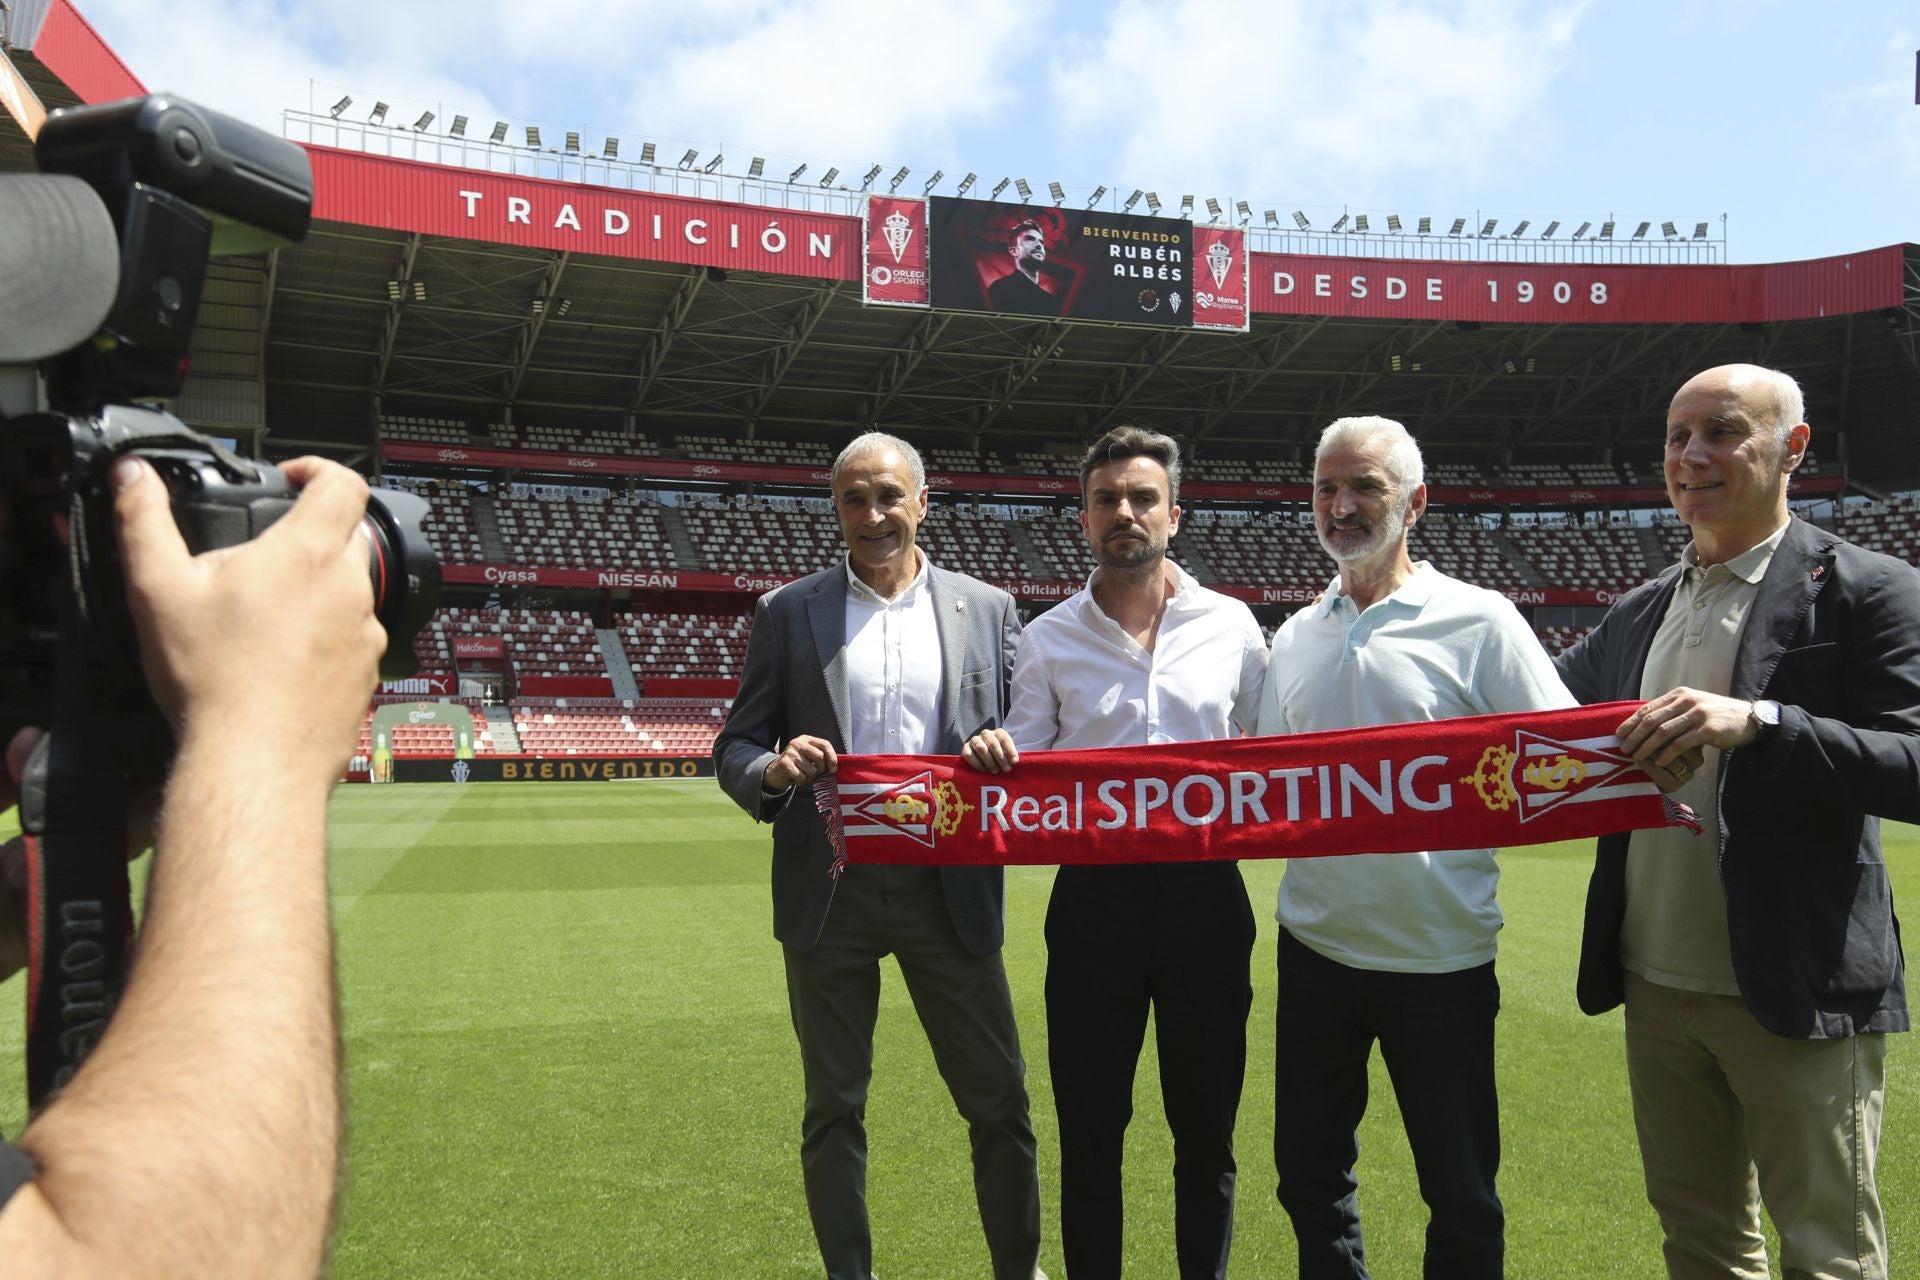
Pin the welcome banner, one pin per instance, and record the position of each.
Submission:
(1475, 782)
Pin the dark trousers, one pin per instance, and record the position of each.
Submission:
(1436, 1036)
(1178, 938)
(967, 1011)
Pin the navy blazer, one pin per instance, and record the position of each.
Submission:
(1834, 637)
(794, 681)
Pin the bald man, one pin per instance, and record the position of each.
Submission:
(1759, 962)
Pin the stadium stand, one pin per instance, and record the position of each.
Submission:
(683, 645)
(1604, 559)
(561, 726)
(1892, 528)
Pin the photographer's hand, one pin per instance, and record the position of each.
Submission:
(201, 1137)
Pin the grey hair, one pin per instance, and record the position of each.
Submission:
(873, 442)
(1122, 443)
(1403, 460)
(1788, 405)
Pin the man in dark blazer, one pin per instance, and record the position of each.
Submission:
(1759, 962)
(884, 653)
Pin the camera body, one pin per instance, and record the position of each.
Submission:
(178, 183)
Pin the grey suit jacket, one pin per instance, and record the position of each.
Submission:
(795, 681)
(1834, 637)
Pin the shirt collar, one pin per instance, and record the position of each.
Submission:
(858, 590)
(1185, 585)
(1411, 595)
(1749, 566)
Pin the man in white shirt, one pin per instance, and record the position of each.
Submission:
(1144, 655)
(885, 653)
(1397, 948)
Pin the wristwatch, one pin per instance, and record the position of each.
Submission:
(1764, 716)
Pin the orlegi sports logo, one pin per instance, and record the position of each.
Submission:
(913, 807)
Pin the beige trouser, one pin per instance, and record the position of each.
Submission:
(1730, 1115)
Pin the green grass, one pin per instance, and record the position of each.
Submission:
(569, 1056)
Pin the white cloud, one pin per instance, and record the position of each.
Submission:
(1246, 95)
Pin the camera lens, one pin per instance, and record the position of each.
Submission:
(405, 573)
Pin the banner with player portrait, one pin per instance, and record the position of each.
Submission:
(1081, 264)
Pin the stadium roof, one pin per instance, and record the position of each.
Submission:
(315, 340)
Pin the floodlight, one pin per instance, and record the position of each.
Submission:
(1132, 200)
(1273, 217)
(611, 148)
(1551, 228)
(871, 175)
(1459, 225)
(533, 135)
(1699, 231)
(499, 133)
(686, 161)
(573, 142)
(933, 182)
(756, 166)
(1512, 367)
(1606, 229)
(1340, 223)
(335, 110)
(1393, 223)
(419, 290)
(1425, 225)
(966, 183)
(459, 127)
(1300, 220)
(1529, 364)
(1186, 205)
(378, 115)
(828, 179)
(795, 175)
(1020, 185)
(646, 153)
(1668, 230)
(420, 125)
(1393, 362)
(1360, 223)
(539, 304)
(1213, 208)
(1640, 232)
(1000, 186)
(393, 291)
(719, 158)
(893, 184)
(1058, 192)
(1487, 229)
(1584, 228)
(1153, 202)
(566, 305)
(1520, 230)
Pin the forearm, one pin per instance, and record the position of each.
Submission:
(202, 1136)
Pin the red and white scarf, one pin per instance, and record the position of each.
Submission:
(1471, 783)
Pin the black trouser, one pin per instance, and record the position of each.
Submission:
(1178, 938)
(1436, 1036)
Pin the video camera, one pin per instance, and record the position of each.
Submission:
(142, 192)
(103, 256)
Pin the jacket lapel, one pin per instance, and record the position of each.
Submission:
(827, 614)
(950, 617)
(1800, 569)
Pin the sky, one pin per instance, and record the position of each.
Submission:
(1795, 121)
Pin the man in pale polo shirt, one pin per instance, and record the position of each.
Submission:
(1759, 961)
(1393, 948)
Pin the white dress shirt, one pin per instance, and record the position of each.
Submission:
(893, 668)
(1081, 681)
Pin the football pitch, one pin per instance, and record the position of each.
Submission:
(569, 1056)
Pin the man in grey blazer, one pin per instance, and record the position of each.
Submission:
(1759, 961)
(884, 653)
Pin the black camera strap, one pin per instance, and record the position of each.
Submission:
(73, 808)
